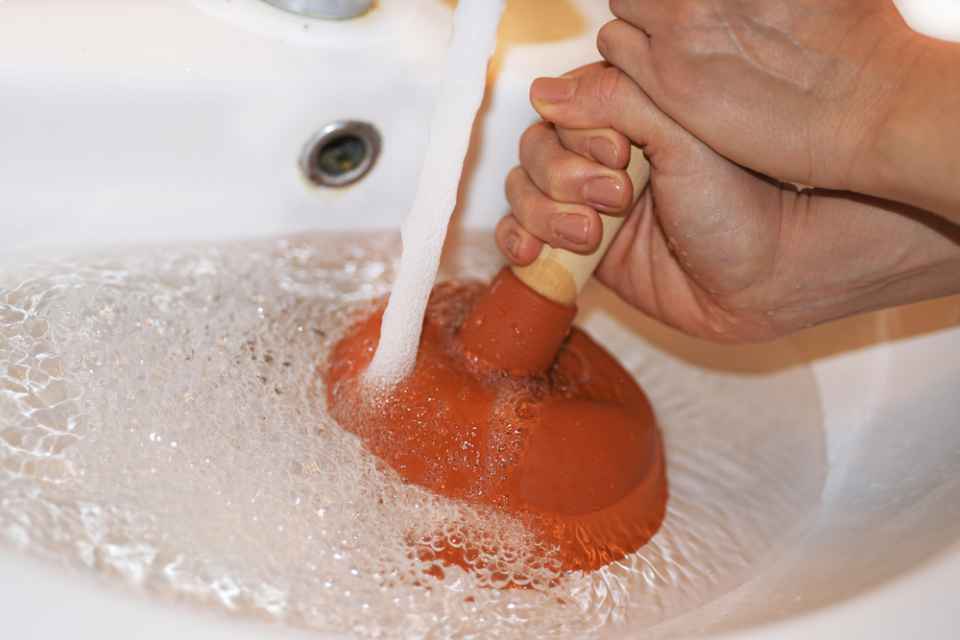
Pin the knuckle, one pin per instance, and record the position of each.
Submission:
(609, 36)
(608, 84)
(514, 181)
(526, 140)
(526, 205)
(617, 30)
(635, 10)
(558, 178)
(564, 178)
(531, 138)
(604, 37)
(576, 141)
(503, 227)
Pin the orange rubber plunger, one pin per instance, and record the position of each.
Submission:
(508, 406)
(513, 328)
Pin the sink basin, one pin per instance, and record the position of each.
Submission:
(186, 120)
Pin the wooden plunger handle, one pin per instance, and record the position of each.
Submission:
(558, 274)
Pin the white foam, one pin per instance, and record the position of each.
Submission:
(425, 228)
(162, 421)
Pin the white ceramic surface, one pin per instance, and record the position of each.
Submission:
(148, 120)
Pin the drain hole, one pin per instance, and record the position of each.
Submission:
(341, 154)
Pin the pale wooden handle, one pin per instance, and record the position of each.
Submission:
(558, 274)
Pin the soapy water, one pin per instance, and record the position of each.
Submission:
(162, 421)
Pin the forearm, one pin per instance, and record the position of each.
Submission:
(915, 157)
(846, 254)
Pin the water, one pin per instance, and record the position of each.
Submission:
(161, 421)
(425, 228)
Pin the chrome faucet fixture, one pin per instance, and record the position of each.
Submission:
(330, 9)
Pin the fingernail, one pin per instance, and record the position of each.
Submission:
(603, 151)
(572, 227)
(553, 89)
(604, 192)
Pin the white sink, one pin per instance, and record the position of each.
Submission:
(153, 121)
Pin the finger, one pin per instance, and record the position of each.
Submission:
(652, 16)
(637, 264)
(565, 176)
(604, 98)
(627, 47)
(516, 243)
(605, 146)
(584, 70)
(574, 227)
(623, 267)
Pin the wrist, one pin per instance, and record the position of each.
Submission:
(915, 154)
(848, 254)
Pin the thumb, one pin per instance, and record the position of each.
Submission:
(600, 96)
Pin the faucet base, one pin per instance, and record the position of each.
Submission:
(327, 9)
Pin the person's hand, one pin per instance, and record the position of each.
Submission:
(830, 93)
(710, 248)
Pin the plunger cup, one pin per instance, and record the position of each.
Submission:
(508, 405)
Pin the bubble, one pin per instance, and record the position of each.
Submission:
(162, 422)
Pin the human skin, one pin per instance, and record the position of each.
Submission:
(711, 248)
(839, 94)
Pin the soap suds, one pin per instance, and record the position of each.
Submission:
(162, 422)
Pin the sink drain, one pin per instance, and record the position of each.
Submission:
(340, 154)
